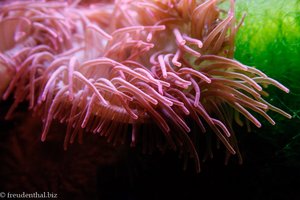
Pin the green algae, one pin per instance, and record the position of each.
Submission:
(270, 40)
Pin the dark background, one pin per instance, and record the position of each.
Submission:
(96, 170)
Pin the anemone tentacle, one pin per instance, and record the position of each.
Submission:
(132, 63)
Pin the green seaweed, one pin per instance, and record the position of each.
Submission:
(270, 40)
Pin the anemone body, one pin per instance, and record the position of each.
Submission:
(145, 70)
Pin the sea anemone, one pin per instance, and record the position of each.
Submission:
(142, 72)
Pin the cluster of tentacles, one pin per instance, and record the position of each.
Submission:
(141, 70)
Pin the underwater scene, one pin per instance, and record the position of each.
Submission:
(138, 100)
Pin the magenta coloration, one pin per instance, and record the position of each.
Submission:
(108, 68)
